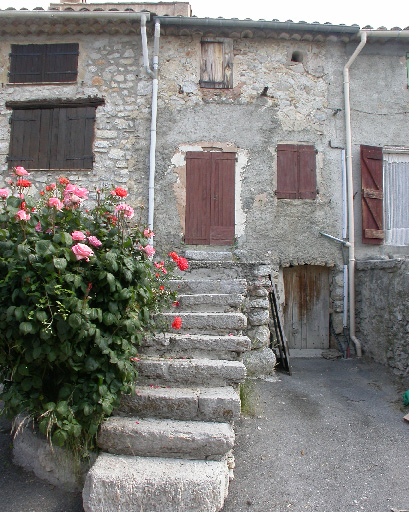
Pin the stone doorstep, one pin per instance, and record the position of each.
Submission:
(209, 302)
(202, 372)
(206, 286)
(204, 404)
(187, 344)
(155, 485)
(152, 437)
(208, 255)
(208, 322)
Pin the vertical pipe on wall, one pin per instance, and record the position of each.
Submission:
(344, 235)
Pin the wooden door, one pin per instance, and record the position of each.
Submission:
(306, 308)
(209, 198)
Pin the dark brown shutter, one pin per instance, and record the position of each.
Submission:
(216, 70)
(287, 158)
(222, 219)
(38, 63)
(372, 195)
(198, 173)
(25, 138)
(307, 185)
(296, 173)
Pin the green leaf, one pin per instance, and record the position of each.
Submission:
(26, 385)
(26, 328)
(59, 437)
(23, 250)
(108, 318)
(62, 408)
(23, 370)
(60, 263)
(41, 316)
(91, 364)
(75, 320)
(37, 352)
(13, 201)
(44, 247)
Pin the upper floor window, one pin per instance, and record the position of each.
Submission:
(296, 177)
(216, 68)
(43, 63)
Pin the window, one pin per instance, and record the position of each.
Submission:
(216, 70)
(296, 171)
(43, 63)
(52, 136)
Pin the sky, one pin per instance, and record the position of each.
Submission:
(390, 14)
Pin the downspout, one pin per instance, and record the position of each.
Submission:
(350, 198)
(155, 82)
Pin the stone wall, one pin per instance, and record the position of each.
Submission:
(382, 311)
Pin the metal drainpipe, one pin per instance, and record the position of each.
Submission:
(155, 82)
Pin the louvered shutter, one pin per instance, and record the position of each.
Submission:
(307, 185)
(372, 195)
(25, 138)
(287, 158)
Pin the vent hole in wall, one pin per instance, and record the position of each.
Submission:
(297, 57)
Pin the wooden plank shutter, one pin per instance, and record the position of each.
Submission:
(61, 62)
(198, 171)
(222, 218)
(216, 70)
(25, 138)
(307, 185)
(372, 195)
(26, 63)
(287, 157)
(75, 134)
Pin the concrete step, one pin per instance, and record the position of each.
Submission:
(206, 286)
(197, 346)
(210, 302)
(204, 404)
(134, 484)
(187, 372)
(212, 323)
(153, 437)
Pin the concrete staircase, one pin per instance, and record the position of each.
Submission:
(169, 448)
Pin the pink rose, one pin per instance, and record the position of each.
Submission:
(54, 202)
(82, 252)
(93, 240)
(128, 210)
(74, 190)
(21, 196)
(20, 171)
(147, 233)
(38, 227)
(78, 235)
(4, 193)
(23, 215)
(149, 250)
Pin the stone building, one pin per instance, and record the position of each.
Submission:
(273, 114)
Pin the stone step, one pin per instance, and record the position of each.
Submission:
(204, 404)
(212, 256)
(210, 302)
(205, 286)
(197, 346)
(187, 372)
(153, 437)
(220, 323)
(135, 484)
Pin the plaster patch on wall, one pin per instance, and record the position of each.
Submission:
(240, 216)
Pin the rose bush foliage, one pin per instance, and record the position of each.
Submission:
(77, 293)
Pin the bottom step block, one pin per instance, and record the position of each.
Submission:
(123, 483)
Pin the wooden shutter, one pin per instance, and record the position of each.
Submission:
(216, 70)
(296, 177)
(198, 175)
(25, 138)
(39, 63)
(222, 219)
(372, 195)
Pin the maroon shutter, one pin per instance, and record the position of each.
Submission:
(198, 172)
(307, 186)
(372, 195)
(222, 199)
(25, 138)
(287, 156)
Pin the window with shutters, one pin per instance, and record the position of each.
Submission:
(296, 173)
(43, 63)
(216, 69)
(52, 137)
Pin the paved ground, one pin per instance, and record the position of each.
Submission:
(330, 438)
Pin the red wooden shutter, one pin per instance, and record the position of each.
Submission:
(222, 219)
(372, 195)
(198, 172)
(307, 185)
(287, 157)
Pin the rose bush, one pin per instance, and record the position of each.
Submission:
(78, 291)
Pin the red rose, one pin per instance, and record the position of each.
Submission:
(177, 323)
(23, 183)
(121, 192)
(174, 256)
(182, 263)
(63, 181)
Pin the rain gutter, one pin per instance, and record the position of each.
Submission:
(73, 15)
